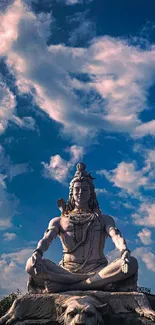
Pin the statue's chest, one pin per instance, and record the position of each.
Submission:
(78, 228)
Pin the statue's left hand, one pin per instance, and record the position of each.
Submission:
(125, 261)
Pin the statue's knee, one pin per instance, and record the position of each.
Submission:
(29, 266)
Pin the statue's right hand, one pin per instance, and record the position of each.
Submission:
(37, 263)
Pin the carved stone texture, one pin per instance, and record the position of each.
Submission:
(87, 307)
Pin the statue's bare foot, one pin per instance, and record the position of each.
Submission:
(52, 287)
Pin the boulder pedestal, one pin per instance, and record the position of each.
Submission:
(46, 309)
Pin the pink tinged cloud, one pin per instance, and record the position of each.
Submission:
(9, 26)
(147, 257)
(125, 176)
(145, 215)
(120, 73)
(7, 106)
(12, 270)
(145, 236)
(59, 168)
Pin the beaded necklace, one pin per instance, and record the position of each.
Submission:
(81, 220)
(78, 221)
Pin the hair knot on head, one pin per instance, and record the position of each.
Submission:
(81, 171)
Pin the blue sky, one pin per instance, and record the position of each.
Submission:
(77, 83)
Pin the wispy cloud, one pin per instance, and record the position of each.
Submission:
(101, 191)
(145, 236)
(9, 236)
(8, 202)
(59, 168)
(83, 29)
(7, 106)
(8, 205)
(75, 2)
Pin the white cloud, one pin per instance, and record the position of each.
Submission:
(146, 257)
(26, 122)
(12, 271)
(145, 215)
(145, 236)
(8, 111)
(73, 2)
(5, 223)
(101, 191)
(7, 106)
(8, 207)
(125, 176)
(76, 153)
(59, 168)
(118, 72)
(2, 182)
(8, 201)
(9, 236)
(9, 26)
(147, 128)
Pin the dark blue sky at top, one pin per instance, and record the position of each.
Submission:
(37, 195)
(118, 19)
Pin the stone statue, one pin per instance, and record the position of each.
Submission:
(83, 230)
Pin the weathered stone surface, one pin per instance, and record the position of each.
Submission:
(122, 308)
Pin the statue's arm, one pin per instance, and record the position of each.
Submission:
(50, 234)
(115, 234)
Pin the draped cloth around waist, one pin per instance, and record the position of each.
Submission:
(91, 266)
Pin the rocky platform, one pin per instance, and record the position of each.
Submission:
(121, 308)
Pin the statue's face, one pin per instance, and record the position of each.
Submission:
(81, 192)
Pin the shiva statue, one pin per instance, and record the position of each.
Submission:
(83, 230)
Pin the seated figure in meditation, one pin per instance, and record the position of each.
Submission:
(83, 230)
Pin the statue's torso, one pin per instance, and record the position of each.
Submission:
(83, 238)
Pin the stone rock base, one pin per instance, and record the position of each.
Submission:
(123, 308)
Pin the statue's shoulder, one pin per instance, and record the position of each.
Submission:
(55, 222)
(108, 220)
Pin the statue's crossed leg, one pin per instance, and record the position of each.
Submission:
(57, 279)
